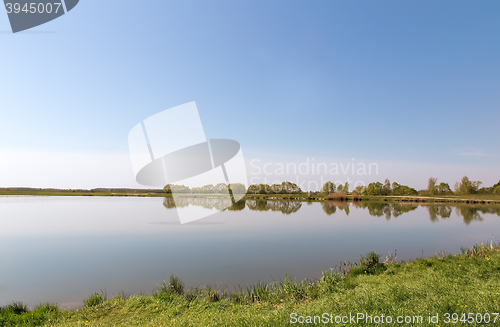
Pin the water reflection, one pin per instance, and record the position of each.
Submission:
(132, 244)
(388, 210)
(439, 211)
(219, 203)
(286, 207)
(469, 212)
(472, 212)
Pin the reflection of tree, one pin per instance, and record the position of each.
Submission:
(169, 203)
(328, 207)
(439, 211)
(469, 213)
(388, 210)
(377, 209)
(346, 209)
(238, 206)
(398, 209)
(220, 203)
(286, 207)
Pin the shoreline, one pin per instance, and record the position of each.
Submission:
(468, 199)
(444, 284)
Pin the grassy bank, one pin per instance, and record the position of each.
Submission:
(465, 283)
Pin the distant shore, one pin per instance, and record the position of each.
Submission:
(474, 198)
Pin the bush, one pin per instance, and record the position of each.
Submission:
(94, 300)
(17, 308)
(212, 294)
(47, 308)
(369, 264)
(175, 286)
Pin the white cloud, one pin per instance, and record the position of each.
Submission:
(474, 153)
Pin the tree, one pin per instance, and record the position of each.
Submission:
(340, 188)
(467, 186)
(489, 190)
(497, 190)
(387, 187)
(398, 189)
(253, 189)
(375, 189)
(283, 188)
(444, 188)
(361, 190)
(328, 188)
(346, 187)
(431, 186)
(290, 188)
(237, 188)
(179, 189)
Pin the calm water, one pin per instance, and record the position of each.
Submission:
(62, 249)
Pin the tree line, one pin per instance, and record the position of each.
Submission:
(221, 188)
(464, 187)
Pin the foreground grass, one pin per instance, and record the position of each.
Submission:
(465, 283)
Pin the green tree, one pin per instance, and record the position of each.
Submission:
(466, 186)
(444, 188)
(361, 190)
(398, 189)
(328, 188)
(387, 187)
(496, 190)
(340, 188)
(290, 188)
(346, 187)
(375, 188)
(253, 189)
(431, 186)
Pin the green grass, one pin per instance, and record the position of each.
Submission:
(18, 314)
(48, 192)
(94, 300)
(465, 283)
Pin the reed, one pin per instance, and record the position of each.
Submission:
(337, 196)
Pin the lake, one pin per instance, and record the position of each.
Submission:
(63, 249)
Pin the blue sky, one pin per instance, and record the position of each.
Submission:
(392, 81)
